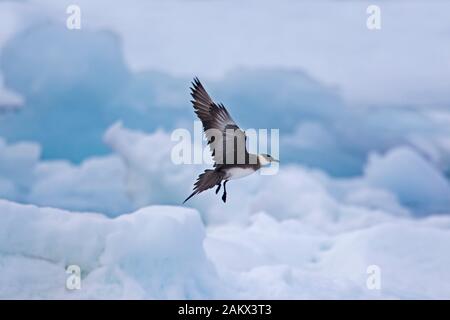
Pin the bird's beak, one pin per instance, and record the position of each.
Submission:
(275, 160)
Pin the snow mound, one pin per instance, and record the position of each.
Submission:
(164, 252)
(16, 168)
(156, 252)
(68, 95)
(411, 255)
(67, 77)
(293, 260)
(399, 182)
(153, 178)
(147, 179)
(96, 184)
(415, 181)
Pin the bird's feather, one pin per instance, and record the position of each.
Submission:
(205, 181)
(225, 139)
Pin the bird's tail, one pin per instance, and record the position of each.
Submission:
(205, 181)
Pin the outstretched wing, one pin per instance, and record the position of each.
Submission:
(221, 131)
(205, 181)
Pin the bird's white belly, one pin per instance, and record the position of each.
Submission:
(236, 173)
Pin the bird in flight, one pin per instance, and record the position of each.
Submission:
(227, 143)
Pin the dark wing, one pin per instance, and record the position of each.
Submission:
(220, 129)
(205, 181)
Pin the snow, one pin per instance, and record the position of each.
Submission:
(146, 181)
(166, 252)
(82, 82)
(328, 39)
(400, 181)
(96, 184)
(315, 239)
(397, 181)
(9, 100)
(422, 185)
(403, 252)
(155, 252)
(86, 176)
(16, 167)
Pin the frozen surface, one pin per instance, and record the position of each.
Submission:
(96, 184)
(165, 252)
(86, 176)
(400, 181)
(421, 186)
(328, 39)
(316, 239)
(332, 92)
(156, 252)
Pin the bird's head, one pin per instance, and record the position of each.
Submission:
(266, 159)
